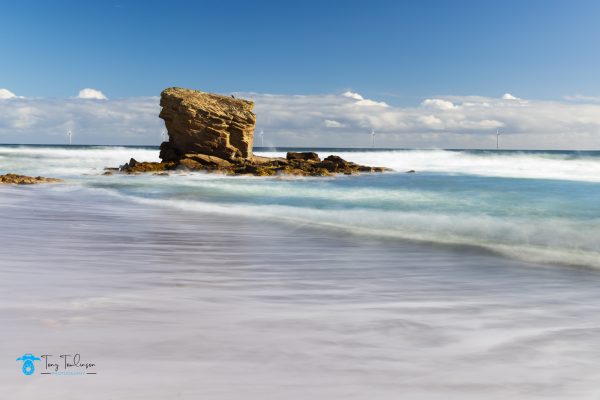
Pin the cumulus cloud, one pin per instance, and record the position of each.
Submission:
(508, 96)
(328, 120)
(89, 93)
(444, 121)
(369, 103)
(352, 95)
(330, 123)
(439, 104)
(6, 94)
(361, 101)
(120, 121)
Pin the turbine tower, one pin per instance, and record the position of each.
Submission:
(372, 138)
(70, 135)
(497, 139)
(262, 138)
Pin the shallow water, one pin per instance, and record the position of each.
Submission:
(535, 206)
(197, 286)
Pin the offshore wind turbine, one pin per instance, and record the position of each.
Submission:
(497, 139)
(262, 138)
(70, 135)
(372, 138)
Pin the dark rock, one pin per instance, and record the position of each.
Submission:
(304, 156)
(335, 160)
(168, 152)
(137, 167)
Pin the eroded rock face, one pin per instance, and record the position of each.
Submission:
(206, 123)
(25, 180)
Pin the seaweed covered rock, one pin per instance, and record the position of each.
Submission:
(134, 166)
(25, 180)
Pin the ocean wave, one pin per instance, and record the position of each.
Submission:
(513, 164)
(69, 161)
(556, 240)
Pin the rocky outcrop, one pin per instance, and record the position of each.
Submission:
(299, 164)
(306, 156)
(206, 123)
(25, 180)
(211, 132)
(135, 166)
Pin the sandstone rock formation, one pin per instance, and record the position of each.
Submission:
(206, 123)
(211, 132)
(25, 180)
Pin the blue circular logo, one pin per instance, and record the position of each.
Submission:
(28, 367)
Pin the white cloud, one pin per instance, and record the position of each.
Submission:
(361, 101)
(369, 103)
(6, 94)
(445, 121)
(352, 95)
(439, 104)
(508, 96)
(330, 123)
(121, 121)
(89, 93)
(310, 120)
(431, 122)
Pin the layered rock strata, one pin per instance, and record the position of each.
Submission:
(206, 123)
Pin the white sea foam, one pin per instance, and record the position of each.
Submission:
(526, 165)
(68, 161)
(529, 165)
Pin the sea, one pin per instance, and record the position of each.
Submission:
(477, 276)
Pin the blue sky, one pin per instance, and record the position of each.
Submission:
(422, 64)
(398, 50)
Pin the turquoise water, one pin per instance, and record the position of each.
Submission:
(537, 206)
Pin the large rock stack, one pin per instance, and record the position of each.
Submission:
(206, 123)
